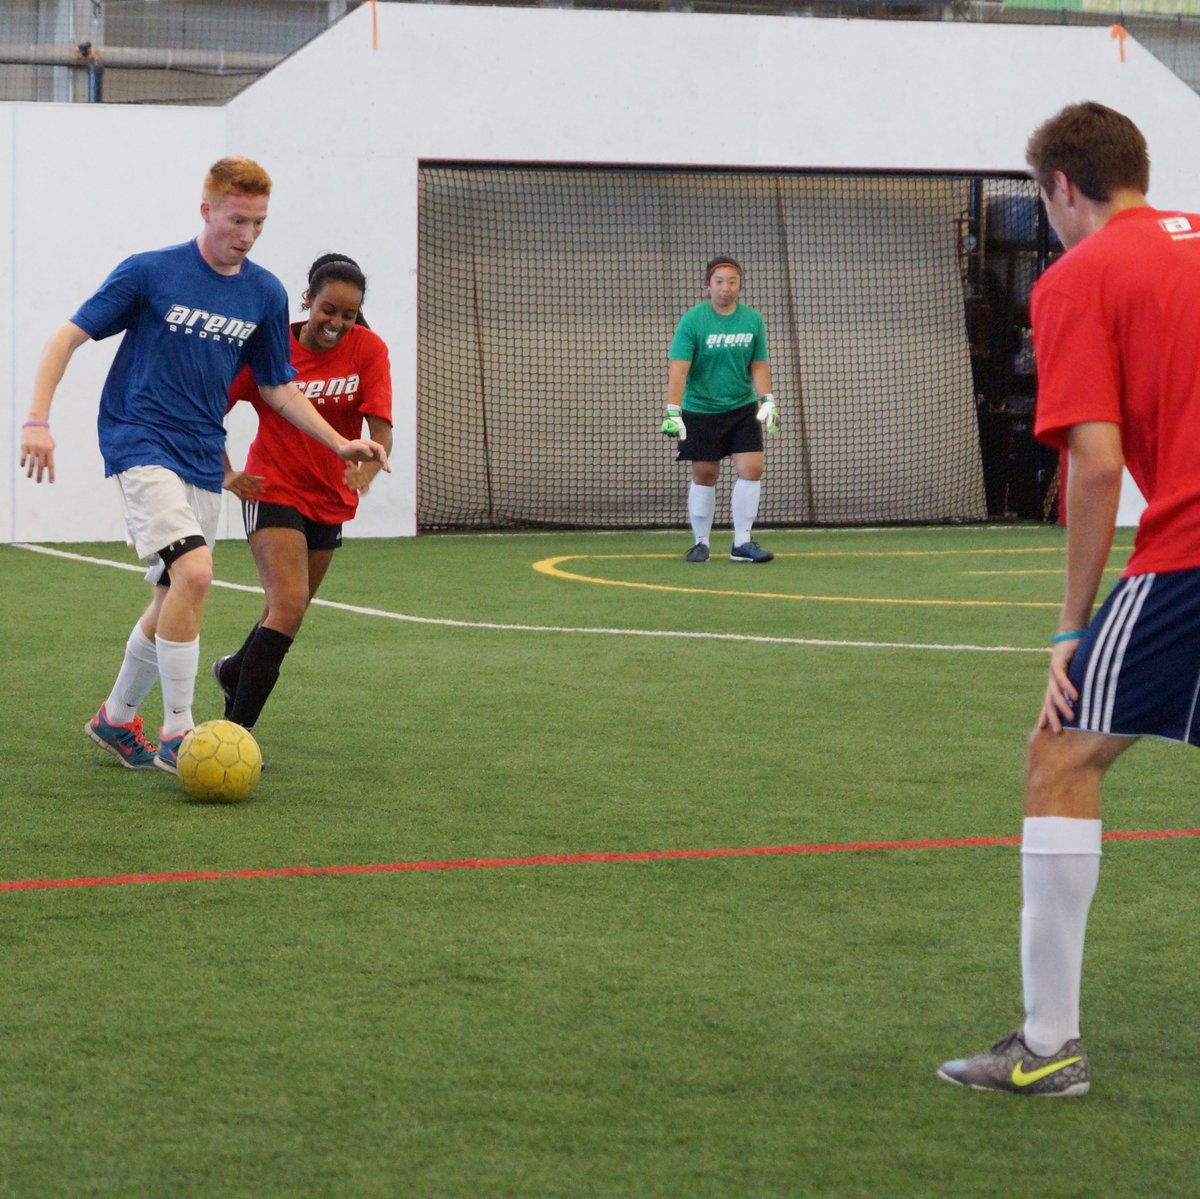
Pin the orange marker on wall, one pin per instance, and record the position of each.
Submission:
(1120, 33)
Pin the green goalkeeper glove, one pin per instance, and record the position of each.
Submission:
(767, 416)
(673, 426)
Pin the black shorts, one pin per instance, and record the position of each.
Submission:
(256, 515)
(712, 436)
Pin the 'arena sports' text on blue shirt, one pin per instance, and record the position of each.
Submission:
(189, 330)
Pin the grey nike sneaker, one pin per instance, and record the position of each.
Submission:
(1010, 1065)
(698, 553)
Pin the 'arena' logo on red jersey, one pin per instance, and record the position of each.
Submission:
(333, 390)
(209, 324)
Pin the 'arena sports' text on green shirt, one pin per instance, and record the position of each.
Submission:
(720, 349)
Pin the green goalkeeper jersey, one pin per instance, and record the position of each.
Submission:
(720, 349)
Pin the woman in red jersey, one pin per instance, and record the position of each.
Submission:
(296, 497)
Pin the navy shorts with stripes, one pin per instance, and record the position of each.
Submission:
(1138, 664)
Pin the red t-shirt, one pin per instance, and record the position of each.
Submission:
(1116, 333)
(345, 384)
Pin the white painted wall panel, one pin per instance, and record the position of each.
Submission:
(91, 185)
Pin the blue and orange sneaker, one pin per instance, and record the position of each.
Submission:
(167, 757)
(126, 742)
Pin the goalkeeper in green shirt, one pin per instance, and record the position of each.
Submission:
(719, 404)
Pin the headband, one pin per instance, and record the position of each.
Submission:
(335, 262)
(712, 266)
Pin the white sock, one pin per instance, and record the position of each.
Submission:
(178, 662)
(1060, 866)
(135, 678)
(702, 503)
(743, 505)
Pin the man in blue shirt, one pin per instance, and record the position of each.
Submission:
(192, 315)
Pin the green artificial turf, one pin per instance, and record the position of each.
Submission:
(738, 1025)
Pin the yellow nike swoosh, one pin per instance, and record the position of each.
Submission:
(1021, 1079)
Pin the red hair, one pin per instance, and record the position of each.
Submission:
(236, 177)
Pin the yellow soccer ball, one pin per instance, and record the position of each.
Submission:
(219, 762)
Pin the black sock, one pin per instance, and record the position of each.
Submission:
(262, 656)
(231, 669)
(232, 666)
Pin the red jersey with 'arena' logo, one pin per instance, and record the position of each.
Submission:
(345, 384)
(1116, 333)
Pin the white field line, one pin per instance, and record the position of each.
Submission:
(533, 628)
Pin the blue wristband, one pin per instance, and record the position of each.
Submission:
(1059, 638)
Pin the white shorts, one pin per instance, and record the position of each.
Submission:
(159, 507)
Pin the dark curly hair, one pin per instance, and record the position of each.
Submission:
(337, 268)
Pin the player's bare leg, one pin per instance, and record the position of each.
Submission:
(749, 465)
(281, 556)
(181, 609)
(290, 573)
(1064, 772)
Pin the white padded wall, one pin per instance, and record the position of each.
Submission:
(341, 127)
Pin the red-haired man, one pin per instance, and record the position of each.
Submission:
(191, 315)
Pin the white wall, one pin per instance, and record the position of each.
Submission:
(342, 126)
(90, 185)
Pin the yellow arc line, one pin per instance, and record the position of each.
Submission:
(550, 566)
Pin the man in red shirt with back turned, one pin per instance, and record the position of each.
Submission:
(1116, 329)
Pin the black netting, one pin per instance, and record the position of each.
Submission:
(1015, 245)
(548, 298)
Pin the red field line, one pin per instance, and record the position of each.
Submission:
(573, 859)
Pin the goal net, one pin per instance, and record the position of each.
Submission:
(548, 297)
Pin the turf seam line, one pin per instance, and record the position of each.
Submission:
(575, 859)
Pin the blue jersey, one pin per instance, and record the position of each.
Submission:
(188, 330)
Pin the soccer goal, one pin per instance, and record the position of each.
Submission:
(548, 296)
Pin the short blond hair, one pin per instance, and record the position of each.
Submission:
(236, 177)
